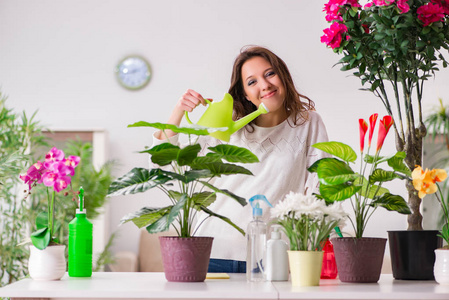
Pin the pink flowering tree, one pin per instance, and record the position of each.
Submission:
(55, 173)
(393, 46)
(338, 181)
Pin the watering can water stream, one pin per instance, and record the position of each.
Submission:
(219, 115)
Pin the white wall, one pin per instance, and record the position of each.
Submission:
(58, 57)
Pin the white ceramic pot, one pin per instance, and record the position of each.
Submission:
(47, 264)
(441, 267)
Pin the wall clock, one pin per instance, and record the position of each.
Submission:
(133, 72)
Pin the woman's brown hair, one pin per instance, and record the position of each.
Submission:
(293, 103)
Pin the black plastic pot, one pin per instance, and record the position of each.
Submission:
(412, 253)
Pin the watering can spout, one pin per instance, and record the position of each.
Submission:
(219, 115)
(237, 125)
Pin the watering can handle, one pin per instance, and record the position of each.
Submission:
(186, 113)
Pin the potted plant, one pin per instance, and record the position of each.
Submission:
(339, 182)
(47, 260)
(393, 47)
(307, 222)
(425, 182)
(190, 173)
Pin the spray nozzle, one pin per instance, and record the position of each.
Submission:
(81, 198)
(257, 210)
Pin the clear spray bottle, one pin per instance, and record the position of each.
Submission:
(80, 242)
(256, 237)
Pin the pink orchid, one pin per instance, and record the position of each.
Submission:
(334, 35)
(53, 172)
(372, 124)
(57, 181)
(54, 155)
(363, 127)
(33, 174)
(71, 162)
(384, 127)
(430, 13)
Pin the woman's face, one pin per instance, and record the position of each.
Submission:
(262, 84)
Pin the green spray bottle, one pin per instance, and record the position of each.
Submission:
(80, 242)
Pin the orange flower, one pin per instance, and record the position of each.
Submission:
(425, 181)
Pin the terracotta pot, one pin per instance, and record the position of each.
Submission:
(359, 260)
(412, 253)
(47, 264)
(305, 267)
(185, 259)
(441, 267)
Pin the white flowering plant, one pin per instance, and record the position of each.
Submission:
(307, 221)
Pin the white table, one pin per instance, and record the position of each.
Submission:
(154, 286)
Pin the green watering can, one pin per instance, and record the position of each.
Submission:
(219, 114)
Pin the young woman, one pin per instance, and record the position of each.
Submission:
(281, 139)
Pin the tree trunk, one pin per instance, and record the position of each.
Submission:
(413, 150)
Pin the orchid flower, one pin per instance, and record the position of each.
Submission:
(363, 127)
(53, 172)
(54, 155)
(384, 127)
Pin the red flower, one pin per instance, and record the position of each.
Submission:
(384, 127)
(444, 4)
(366, 28)
(363, 127)
(334, 35)
(372, 124)
(403, 6)
(430, 13)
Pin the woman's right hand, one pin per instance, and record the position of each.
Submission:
(188, 101)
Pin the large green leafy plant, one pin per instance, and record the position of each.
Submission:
(190, 174)
(393, 47)
(338, 181)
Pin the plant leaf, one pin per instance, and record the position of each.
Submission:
(340, 192)
(337, 149)
(220, 168)
(163, 154)
(138, 180)
(397, 163)
(203, 199)
(235, 154)
(392, 202)
(42, 220)
(371, 191)
(380, 175)
(145, 216)
(187, 154)
(239, 199)
(334, 172)
(194, 129)
(163, 224)
(41, 238)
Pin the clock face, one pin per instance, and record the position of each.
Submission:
(133, 72)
